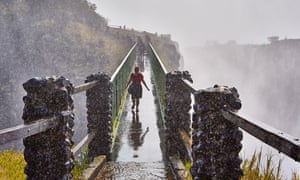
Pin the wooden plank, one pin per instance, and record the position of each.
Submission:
(83, 143)
(18, 132)
(84, 87)
(283, 142)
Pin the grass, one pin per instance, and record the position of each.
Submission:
(81, 164)
(12, 164)
(255, 169)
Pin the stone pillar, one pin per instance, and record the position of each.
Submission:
(99, 115)
(177, 116)
(216, 141)
(48, 154)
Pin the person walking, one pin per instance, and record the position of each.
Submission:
(135, 88)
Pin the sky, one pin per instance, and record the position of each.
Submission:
(194, 22)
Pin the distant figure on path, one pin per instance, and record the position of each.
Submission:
(135, 88)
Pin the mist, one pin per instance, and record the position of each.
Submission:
(226, 43)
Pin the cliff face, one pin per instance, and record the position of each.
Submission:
(45, 38)
(53, 37)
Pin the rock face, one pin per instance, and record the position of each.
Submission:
(48, 154)
(216, 141)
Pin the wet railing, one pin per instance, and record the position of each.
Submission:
(119, 80)
(159, 74)
(216, 139)
(49, 119)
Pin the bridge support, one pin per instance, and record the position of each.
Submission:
(177, 117)
(48, 154)
(99, 115)
(216, 141)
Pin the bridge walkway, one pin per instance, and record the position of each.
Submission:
(138, 150)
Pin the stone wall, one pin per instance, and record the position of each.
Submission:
(48, 154)
(216, 141)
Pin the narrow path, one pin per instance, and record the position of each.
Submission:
(137, 152)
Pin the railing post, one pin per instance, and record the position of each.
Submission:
(177, 116)
(99, 115)
(216, 141)
(48, 154)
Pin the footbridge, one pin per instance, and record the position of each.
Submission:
(166, 139)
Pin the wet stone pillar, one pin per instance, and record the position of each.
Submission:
(177, 117)
(216, 141)
(99, 115)
(48, 154)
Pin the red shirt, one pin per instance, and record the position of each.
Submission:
(136, 78)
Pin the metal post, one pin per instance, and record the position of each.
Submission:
(48, 154)
(99, 115)
(216, 141)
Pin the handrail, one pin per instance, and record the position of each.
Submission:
(159, 60)
(122, 63)
(83, 143)
(189, 86)
(84, 87)
(22, 131)
(281, 141)
(119, 80)
(159, 72)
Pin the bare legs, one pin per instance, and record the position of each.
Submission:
(135, 102)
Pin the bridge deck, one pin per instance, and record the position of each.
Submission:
(137, 152)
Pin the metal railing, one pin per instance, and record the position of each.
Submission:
(119, 80)
(159, 74)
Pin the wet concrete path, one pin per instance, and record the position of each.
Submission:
(137, 152)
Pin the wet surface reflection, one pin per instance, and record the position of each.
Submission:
(133, 170)
(136, 134)
(137, 151)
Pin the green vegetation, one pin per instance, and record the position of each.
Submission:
(188, 165)
(256, 169)
(81, 164)
(12, 164)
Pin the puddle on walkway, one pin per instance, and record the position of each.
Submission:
(138, 136)
(133, 170)
(137, 152)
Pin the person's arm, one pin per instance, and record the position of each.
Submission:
(145, 84)
(142, 77)
(130, 79)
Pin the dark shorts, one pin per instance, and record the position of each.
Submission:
(136, 91)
